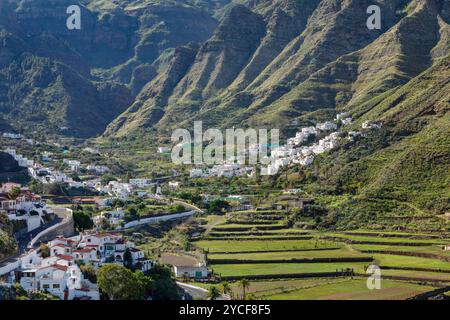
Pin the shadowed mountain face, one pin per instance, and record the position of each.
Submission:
(75, 82)
(270, 62)
(8, 164)
(274, 64)
(151, 66)
(136, 65)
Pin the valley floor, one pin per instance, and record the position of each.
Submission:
(287, 263)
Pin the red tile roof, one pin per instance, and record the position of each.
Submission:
(60, 245)
(65, 257)
(87, 250)
(55, 266)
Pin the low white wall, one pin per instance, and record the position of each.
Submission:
(135, 223)
(9, 267)
(68, 219)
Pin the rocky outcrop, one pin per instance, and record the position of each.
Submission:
(149, 106)
(107, 62)
(222, 57)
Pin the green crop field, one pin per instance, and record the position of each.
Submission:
(411, 262)
(393, 240)
(354, 290)
(340, 253)
(432, 249)
(255, 245)
(425, 275)
(283, 268)
(218, 232)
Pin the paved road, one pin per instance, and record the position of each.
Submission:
(191, 206)
(24, 240)
(197, 292)
(193, 291)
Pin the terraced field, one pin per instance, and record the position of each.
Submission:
(354, 289)
(288, 263)
(263, 245)
(244, 270)
(313, 254)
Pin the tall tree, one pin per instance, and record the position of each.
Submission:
(225, 288)
(127, 259)
(245, 284)
(213, 293)
(119, 283)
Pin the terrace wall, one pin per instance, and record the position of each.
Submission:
(64, 228)
(311, 260)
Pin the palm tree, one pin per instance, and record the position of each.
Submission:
(213, 292)
(245, 284)
(225, 287)
(14, 193)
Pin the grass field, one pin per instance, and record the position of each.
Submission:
(433, 249)
(326, 289)
(432, 276)
(280, 268)
(256, 245)
(354, 290)
(264, 232)
(340, 253)
(386, 239)
(412, 262)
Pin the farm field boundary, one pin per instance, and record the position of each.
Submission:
(291, 276)
(409, 254)
(269, 251)
(293, 260)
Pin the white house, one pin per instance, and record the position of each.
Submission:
(199, 271)
(164, 150)
(196, 173)
(114, 218)
(12, 135)
(326, 126)
(97, 169)
(346, 121)
(26, 207)
(141, 183)
(371, 125)
(73, 164)
(62, 281)
(91, 150)
(174, 184)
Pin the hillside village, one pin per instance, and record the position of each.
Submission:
(60, 274)
(296, 151)
(24, 206)
(243, 240)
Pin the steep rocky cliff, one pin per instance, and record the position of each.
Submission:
(80, 80)
(301, 56)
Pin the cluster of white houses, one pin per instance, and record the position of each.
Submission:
(59, 273)
(48, 175)
(10, 135)
(44, 174)
(113, 218)
(26, 206)
(296, 151)
(228, 170)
